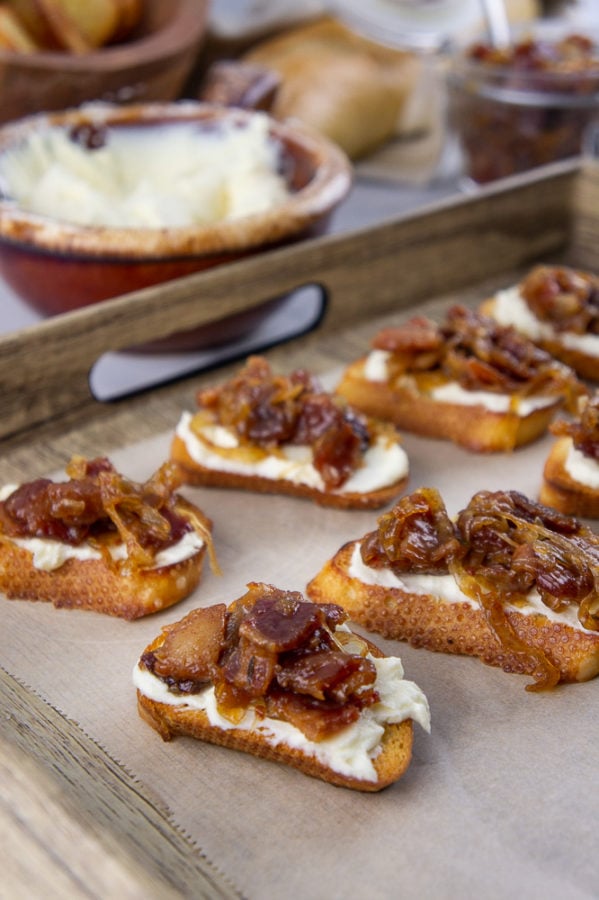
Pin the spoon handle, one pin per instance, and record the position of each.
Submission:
(497, 22)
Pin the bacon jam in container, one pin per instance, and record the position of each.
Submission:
(525, 105)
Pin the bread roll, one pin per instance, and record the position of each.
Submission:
(345, 86)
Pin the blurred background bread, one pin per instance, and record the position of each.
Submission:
(344, 85)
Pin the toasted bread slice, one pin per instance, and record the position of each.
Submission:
(342, 758)
(64, 29)
(390, 764)
(473, 427)
(101, 586)
(93, 585)
(561, 491)
(434, 622)
(99, 541)
(195, 473)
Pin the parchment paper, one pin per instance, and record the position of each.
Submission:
(499, 801)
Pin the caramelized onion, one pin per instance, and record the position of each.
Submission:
(268, 410)
(479, 354)
(415, 536)
(566, 298)
(502, 546)
(96, 501)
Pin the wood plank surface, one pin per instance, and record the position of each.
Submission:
(67, 810)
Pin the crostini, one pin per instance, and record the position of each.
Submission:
(101, 542)
(467, 380)
(571, 473)
(281, 434)
(557, 307)
(510, 581)
(282, 678)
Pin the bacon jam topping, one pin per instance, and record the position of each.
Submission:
(574, 54)
(584, 430)
(265, 410)
(501, 546)
(477, 353)
(567, 299)
(275, 653)
(97, 505)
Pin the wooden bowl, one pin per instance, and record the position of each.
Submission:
(58, 266)
(152, 65)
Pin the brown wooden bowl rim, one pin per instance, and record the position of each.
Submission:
(329, 185)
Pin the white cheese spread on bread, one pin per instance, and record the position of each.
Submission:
(510, 308)
(349, 752)
(49, 554)
(384, 463)
(376, 369)
(581, 468)
(445, 588)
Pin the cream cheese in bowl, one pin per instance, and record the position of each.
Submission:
(149, 176)
(103, 201)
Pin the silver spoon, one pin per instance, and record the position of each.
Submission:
(497, 22)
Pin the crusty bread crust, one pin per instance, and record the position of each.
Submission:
(195, 474)
(169, 721)
(94, 585)
(473, 427)
(560, 491)
(585, 365)
(427, 621)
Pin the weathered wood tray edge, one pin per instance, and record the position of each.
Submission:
(394, 265)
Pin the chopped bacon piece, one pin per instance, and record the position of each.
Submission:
(275, 651)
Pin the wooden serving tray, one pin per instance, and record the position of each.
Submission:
(44, 370)
(73, 818)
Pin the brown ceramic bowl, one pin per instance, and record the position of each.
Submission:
(57, 266)
(152, 65)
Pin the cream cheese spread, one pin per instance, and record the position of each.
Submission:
(49, 554)
(148, 177)
(444, 587)
(385, 462)
(375, 366)
(510, 308)
(581, 468)
(452, 392)
(350, 752)
(376, 369)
